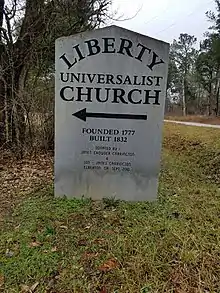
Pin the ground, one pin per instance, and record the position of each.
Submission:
(22, 177)
(61, 246)
(193, 118)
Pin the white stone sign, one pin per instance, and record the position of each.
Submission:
(110, 96)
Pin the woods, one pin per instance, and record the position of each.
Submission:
(28, 30)
(194, 75)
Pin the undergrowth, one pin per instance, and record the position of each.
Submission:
(171, 245)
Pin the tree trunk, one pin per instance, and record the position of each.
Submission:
(12, 118)
(216, 93)
(210, 99)
(184, 97)
(210, 96)
(217, 100)
(2, 108)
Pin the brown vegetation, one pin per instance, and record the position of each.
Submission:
(172, 245)
(195, 118)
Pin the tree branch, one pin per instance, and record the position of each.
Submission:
(8, 24)
(2, 6)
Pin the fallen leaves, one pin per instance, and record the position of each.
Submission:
(21, 177)
(2, 280)
(35, 244)
(25, 288)
(9, 253)
(89, 255)
(99, 241)
(33, 287)
(54, 249)
(103, 290)
(63, 227)
(29, 289)
(109, 265)
(82, 242)
(110, 232)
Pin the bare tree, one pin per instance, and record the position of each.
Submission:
(183, 54)
(28, 30)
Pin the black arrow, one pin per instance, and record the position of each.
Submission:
(82, 114)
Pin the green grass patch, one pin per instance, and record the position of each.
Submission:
(172, 245)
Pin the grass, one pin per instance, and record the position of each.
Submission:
(172, 245)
